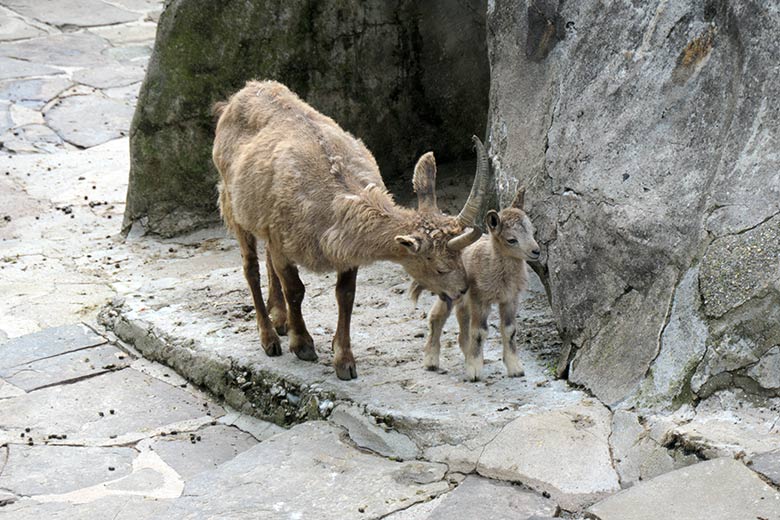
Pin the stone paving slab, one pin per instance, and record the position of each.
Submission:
(46, 344)
(141, 6)
(112, 507)
(212, 446)
(34, 92)
(31, 139)
(84, 13)
(141, 405)
(768, 465)
(127, 33)
(308, 472)
(13, 28)
(366, 433)
(66, 368)
(720, 489)
(8, 390)
(38, 470)
(478, 497)
(110, 76)
(14, 68)
(65, 50)
(89, 120)
(563, 452)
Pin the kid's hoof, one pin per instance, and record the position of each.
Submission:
(346, 370)
(432, 368)
(516, 373)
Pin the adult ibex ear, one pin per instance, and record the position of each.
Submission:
(493, 221)
(409, 242)
(519, 201)
(424, 182)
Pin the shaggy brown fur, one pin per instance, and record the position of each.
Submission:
(293, 178)
(497, 273)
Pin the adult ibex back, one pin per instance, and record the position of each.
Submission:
(293, 178)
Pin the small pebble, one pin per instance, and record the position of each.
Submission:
(111, 468)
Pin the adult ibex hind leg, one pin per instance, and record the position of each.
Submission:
(268, 337)
(277, 306)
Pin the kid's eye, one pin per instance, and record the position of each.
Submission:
(512, 241)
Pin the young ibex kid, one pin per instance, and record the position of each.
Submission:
(496, 272)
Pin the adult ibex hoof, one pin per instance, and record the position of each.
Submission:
(303, 347)
(273, 348)
(304, 352)
(270, 341)
(281, 329)
(279, 321)
(346, 370)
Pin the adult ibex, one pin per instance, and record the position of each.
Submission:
(293, 178)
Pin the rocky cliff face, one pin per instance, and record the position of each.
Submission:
(648, 134)
(404, 76)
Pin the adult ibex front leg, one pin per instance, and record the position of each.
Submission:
(344, 361)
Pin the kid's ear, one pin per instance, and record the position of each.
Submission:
(493, 221)
(519, 201)
(412, 244)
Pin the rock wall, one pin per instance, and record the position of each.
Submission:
(648, 134)
(405, 76)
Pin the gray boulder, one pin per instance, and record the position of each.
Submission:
(404, 76)
(648, 135)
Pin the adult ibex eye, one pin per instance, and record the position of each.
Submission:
(512, 241)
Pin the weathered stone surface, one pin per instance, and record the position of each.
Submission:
(32, 139)
(768, 464)
(481, 498)
(90, 120)
(726, 424)
(43, 470)
(562, 452)
(767, 371)
(615, 140)
(65, 368)
(141, 405)
(683, 346)
(366, 433)
(721, 489)
(638, 454)
(47, 343)
(12, 28)
(109, 76)
(13, 68)
(213, 445)
(404, 76)
(274, 479)
(84, 13)
(35, 92)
